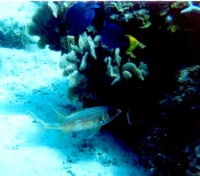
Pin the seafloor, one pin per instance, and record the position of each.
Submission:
(139, 56)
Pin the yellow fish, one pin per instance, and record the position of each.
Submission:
(134, 43)
(88, 119)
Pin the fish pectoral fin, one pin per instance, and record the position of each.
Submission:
(93, 131)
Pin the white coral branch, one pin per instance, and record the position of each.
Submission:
(191, 8)
(92, 47)
(117, 57)
(84, 62)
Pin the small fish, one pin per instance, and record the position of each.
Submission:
(88, 119)
(133, 43)
(113, 36)
(79, 16)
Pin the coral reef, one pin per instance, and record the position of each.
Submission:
(47, 23)
(86, 52)
(158, 90)
(77, 84)
(181, 108)
(125, 11)
(13, 34)
(77, 61)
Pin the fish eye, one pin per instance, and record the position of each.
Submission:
(112, 112)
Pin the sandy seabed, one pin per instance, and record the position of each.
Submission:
(28, 79)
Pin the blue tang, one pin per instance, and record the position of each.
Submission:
(113, 36)
(79, 16)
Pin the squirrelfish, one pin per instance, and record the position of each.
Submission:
(88, 119)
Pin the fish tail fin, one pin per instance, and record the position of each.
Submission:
(59, 115)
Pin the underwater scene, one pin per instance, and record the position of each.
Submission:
(100, 88)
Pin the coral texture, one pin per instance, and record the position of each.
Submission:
(130, 69)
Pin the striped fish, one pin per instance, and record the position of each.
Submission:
(88, 119)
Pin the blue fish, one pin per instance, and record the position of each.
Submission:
(113, 36)
(79, 16)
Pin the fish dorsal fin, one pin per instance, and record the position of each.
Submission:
(92, 5)
(59, 115)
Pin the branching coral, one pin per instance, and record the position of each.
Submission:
(113, 70)
(120, 7)
(76, 62)
(128, 70)
(85, 44)
(79, 54)
(69, 63)
(122, 10)
(143, 16)
(126, 11)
